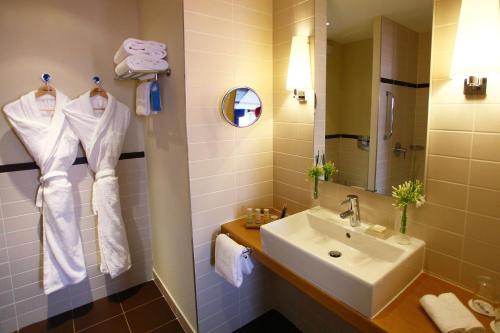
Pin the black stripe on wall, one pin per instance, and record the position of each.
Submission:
(347, 136)
(79, 160)
(403, 83)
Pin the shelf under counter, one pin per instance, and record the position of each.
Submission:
(404, 314)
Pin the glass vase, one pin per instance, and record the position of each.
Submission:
(401, 227)
(315, 196)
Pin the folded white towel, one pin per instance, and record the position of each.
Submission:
(137, 63)
(131, 46)
(228, 260)
(462, 315)
(142, 100)
(442, 315)
(450, 315)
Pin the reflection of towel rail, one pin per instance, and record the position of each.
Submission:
(247, 249)
(138, 75)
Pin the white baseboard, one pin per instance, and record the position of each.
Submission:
(173, 305)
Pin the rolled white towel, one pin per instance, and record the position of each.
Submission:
(462, 315)
(137, 63)
(142, 100)
(131, 46)
(442, 316)
(228, 262)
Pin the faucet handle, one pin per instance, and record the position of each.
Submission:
(349, 198)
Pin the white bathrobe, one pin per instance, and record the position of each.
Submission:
(53, 146)
(101, 133)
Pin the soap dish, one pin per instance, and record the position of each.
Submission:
(378, 231)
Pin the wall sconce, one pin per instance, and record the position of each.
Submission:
(477, 45)
(299, 68)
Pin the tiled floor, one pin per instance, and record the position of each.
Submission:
(271, 321)
(141, 309)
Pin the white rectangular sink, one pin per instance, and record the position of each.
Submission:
(367, 276)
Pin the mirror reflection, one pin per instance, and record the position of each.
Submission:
(241, 107)
(377, 88)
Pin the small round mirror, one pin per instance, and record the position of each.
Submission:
(241, 106)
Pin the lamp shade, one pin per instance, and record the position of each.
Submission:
(477, 43)
(299, 65)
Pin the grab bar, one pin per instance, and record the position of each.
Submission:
(388, 105)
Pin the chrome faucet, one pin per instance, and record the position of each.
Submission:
(353, 211)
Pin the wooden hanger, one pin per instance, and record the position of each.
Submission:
(46, 88)
(98, 91)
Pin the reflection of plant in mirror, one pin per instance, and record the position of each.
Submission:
(329, 170)
(411, 191)
(315, 172)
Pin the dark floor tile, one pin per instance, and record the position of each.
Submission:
(62, 323)
(116, 324)
(95, 312)
(139, 295)
(149, 316)
(171, 327)
(271, 321)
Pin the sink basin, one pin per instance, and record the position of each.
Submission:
(368, 274)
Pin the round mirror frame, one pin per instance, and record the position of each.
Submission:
(226, 96)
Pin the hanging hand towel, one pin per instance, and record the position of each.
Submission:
(137, 63)
(461, 314)
(53, 146)
(131, 46)
(228, 256)
(142, 99)
(101, 134)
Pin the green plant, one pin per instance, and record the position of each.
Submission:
(315, 172)
(329, 170)
(410, 192)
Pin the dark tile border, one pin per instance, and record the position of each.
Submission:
(404, 84)
(79, 160)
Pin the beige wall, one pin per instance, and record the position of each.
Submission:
(73, 41)
(228, 43)
(461, 220)
(293, 122)
(167, 161)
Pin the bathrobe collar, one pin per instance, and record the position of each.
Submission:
(50, 133)
(102, 122)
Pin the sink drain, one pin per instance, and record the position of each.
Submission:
(335, 254)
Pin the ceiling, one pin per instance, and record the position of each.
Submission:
(351, 20)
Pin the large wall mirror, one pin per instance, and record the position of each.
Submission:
(377, 88)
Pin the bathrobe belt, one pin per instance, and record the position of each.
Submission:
(44, 181)
(100, 175)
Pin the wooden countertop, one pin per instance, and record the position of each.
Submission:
(404, 314)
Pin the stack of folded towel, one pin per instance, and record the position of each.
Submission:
(135, 55)
(450, 315)
(231, 261)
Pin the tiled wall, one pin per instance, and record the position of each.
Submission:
(227, 44)
(403, 58)
(350, 160)
(461, 220)
(293, 122)
(22, 300)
